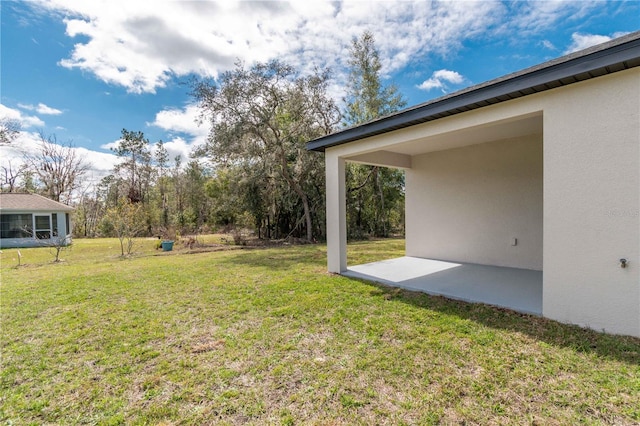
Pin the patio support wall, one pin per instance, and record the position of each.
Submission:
(590, 186)
(592, 203)
(469, 204)
(336, 213)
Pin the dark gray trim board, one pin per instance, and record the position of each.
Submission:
(616, 55)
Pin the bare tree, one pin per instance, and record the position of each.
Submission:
(59, 168)
(10, 176)
(58, 244)
(124, 222)
(89, 211)
(9, 130)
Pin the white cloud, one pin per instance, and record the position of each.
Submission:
(530, 17)
(14, 154)
(102, 163)
(178, 146)
(439, 80)
(28, 141)
(581, 41)
(47, 110)
(141, 45)
(26, 121)
(111, 145)
(181, 120)
(548, 45)
(41, 109)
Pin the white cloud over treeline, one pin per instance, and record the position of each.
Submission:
(26, 121)
(144, 45)
(100, 163)
(180, 124)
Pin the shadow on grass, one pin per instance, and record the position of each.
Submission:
(283, 257)
(622, 348)
(279, 257)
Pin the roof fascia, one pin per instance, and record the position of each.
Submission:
(490, 91)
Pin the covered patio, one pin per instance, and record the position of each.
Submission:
(537, 170)
(512, 288)
(473, 210)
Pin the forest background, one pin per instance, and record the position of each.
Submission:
(254, 172)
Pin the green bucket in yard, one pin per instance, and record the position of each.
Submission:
(167, 245)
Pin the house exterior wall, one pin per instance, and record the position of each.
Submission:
(60, 224)
(592, 203)
(468, 204)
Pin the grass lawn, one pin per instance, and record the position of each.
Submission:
(266, 336)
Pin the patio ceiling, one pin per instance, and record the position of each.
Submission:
(399, 153)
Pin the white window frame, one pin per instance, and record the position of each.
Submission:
(37, 230)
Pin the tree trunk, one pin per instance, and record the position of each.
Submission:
(383, 213)
(298, 190)
(307, 214)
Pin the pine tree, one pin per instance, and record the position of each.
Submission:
(375, 195)
(367, 98)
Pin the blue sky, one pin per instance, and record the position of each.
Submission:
(83, 70)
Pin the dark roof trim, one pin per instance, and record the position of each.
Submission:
(616, 55)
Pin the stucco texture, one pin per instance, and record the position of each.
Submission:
(469, 204)
(592, 203)
(557, 170)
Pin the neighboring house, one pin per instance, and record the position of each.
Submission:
(537, 172)
(30, 220)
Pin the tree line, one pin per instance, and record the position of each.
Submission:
(253, 172)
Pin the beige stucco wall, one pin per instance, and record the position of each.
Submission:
(336, 212)
(592, 203)
(468, 204)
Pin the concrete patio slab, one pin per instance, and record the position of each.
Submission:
(512, 288)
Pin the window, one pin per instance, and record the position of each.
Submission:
(16, 226)
(67, 230)
(54, 222)
(43, 227)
